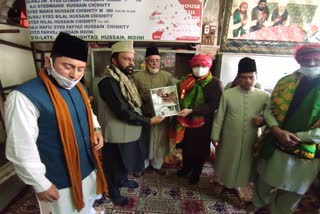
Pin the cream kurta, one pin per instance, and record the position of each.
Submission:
(234, 129)
(158, 136)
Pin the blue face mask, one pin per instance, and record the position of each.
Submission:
(62, 81)
(310, 71)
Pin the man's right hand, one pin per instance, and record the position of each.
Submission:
(156, 120)
(50, 195)
(285, 138)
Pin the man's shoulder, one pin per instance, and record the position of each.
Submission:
(30, 83)
(165, 73)
(139, 74)
(261, 92)
(236, 11)
(106, 80)
(291, 76)
(231, 92)
(216, 80)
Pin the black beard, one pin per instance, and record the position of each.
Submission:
(127, 70)
(261, 9)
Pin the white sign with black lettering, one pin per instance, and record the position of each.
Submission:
(98, 20)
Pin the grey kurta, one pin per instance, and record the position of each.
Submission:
(158, 137)
(234, 129)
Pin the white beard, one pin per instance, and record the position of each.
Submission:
(153, 70)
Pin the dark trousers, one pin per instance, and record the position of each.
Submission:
(114, 169)
(192, 164)
(195, 150)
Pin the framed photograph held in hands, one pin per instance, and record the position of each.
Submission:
(165, 101)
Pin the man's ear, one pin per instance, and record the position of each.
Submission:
(113, 61)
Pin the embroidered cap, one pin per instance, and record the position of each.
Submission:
(123, 46)
(70, 46)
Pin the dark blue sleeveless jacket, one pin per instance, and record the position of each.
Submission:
(48, 142)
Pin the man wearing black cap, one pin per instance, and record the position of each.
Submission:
(53, 136)
(235, 128)
(259, 15)
(153, 77)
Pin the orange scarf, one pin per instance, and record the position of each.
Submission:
(69, 140)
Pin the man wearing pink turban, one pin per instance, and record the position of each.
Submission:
(288, 152)
(199, 95)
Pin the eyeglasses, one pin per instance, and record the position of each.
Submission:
(154, 60)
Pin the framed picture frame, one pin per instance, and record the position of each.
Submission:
(165, 101)
(284, 25)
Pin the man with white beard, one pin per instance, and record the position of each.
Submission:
(153, 77)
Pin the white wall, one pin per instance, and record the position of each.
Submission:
(270, 68)
(16, 65)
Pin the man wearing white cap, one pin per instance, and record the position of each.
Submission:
(123, 151)
(52, 134)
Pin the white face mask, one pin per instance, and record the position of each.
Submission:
(310, 71)
(200, 71)
(62, 81)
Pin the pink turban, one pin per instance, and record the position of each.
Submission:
(201, 60)
(308, 51)
(243, 4)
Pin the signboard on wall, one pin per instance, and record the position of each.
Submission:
(105, 20)
(271, 27)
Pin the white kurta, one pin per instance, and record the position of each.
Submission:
(22, 129)
(285, 171)
(234, 129)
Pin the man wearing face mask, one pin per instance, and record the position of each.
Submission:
(199, 95)
(235, 129)
(124, 148)
(288, 152)
(53, 137)
(153, 77)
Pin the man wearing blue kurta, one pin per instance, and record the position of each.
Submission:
(288, 151)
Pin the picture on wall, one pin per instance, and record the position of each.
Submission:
(165, 101)
(269, 27)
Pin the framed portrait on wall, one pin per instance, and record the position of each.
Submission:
(269, 27)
